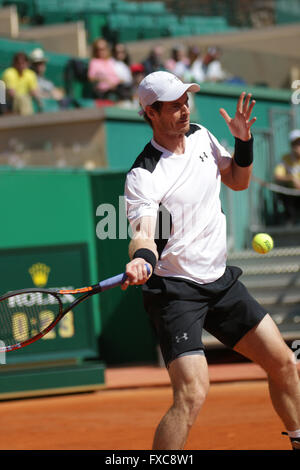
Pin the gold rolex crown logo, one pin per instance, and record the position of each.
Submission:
(39, 273)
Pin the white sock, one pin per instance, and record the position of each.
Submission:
(294, 433)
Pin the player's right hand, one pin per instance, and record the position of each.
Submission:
(136, 272)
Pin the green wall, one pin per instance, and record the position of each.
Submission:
(44, 207)
(126, 333)
(47, 207)
(52, 208)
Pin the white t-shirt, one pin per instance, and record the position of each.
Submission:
(123, 72)
(186, 187)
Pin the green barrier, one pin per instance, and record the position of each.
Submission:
(48, 239)
(127, 336)
(53, 220)
(47, 208)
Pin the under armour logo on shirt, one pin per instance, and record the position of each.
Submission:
(203, 156)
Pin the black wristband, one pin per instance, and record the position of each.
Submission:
(243, 152)
(147, 255)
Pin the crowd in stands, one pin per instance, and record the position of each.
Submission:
(287, 174)
(111, 73)
(27, 87)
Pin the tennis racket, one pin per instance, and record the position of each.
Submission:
(27, 315)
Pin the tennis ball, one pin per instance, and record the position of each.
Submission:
(262, 243)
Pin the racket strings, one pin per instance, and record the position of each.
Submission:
(24, 316)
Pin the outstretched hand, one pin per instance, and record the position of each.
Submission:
(240, 125)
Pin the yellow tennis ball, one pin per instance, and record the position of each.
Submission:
(262, 243)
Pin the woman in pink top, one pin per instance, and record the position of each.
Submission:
(102, 73)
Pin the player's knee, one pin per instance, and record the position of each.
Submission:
(196, 401)
(289, 362)
(192, 400)
(286, 366)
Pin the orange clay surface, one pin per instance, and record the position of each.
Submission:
(237, 415)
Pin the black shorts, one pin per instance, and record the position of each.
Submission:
(180, 309)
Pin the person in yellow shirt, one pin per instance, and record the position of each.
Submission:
(21, 86)
(287, 173)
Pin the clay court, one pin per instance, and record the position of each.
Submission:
(236, 416)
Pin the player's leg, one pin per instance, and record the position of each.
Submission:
(177, 312)
(265, 346)
(190, 383)
(241, 323)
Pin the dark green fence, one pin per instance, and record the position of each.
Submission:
(50, 218)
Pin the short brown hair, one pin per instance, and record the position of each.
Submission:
(157, 105)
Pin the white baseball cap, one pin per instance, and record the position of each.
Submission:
(37, 55)
(294, 135)
(163, 86)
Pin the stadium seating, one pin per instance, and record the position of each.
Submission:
(25, 8)
(120, 20)
(56, 64)
(10, 47)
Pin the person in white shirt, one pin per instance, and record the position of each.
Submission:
(122, 63)
(212, 65)
(179, 231)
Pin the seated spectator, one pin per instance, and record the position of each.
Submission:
(178, 62)
(154, 62)
(21, 86)
(122, 63)
(138, 73)
(287, 173)
(102, 73)
(47, 89)
(212, 65)
(196, 70)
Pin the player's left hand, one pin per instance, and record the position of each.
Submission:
(240, 125)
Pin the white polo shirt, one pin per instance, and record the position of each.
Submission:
(185, 190)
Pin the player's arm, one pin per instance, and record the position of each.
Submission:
(142, 250)
(237, 174)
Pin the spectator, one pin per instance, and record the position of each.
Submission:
(196, 70)
(138, 73)
(154, 61)
(21, 86)
(212, 65)
(103, 75)
(47, 89)
(122, 63)
(178, 62)
(287, 173)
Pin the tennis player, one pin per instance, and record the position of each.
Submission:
(177, 178)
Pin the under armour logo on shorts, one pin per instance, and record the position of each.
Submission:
(184, 337)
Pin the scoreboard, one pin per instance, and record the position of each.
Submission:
(75, 337)
(51, 267)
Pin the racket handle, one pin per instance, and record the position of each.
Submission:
(117, 280)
